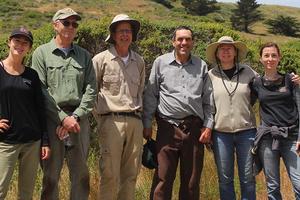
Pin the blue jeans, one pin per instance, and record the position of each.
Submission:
(271, 165)
(225, 145)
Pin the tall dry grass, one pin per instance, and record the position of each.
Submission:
(208, 187)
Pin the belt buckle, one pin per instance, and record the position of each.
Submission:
(182, 126)
(115, 114)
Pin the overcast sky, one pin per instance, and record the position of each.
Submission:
(293, 3)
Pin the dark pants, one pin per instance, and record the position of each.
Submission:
(173, 144)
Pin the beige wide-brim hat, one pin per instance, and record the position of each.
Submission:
(123, 18)
(212, 48)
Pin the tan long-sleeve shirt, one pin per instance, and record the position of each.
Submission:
(120, 85)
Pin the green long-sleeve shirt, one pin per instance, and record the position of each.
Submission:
(66, 80)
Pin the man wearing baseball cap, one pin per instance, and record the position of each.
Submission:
(120, 75)
(68, 82)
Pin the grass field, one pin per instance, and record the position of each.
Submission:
(208, 186)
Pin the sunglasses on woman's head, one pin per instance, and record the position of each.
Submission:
(67, 23)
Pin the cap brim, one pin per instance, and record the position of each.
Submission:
(22, 35)
(78, 18)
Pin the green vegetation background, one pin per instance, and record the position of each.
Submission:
(154, 39)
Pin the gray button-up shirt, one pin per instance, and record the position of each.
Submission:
(178, 90)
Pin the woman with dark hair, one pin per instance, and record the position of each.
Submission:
(234, 128)
(278, 134)
(23, 138)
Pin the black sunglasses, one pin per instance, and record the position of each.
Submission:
(67, 23)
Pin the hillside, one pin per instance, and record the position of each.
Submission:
(35, 13)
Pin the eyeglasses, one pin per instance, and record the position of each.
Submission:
(67, 23)
(124, 31)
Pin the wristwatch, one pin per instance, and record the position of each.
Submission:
(76, 117)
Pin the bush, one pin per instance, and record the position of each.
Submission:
(155, 39)
(166, 3)
(283, 25)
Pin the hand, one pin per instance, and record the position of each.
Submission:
(4, 125)
(71, 124)
(298, 148)
(45, 153)
(205, 135)
(295, 78)
(147, 133)
(61, 132)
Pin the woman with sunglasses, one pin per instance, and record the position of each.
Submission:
(278, 134)
(23, 138)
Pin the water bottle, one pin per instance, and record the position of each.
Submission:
(67, 140)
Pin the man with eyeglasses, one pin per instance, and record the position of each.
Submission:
(68, 83)
(120, 75)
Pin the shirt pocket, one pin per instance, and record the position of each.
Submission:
(111, 84)
(74, 79)
(54, 76)
(134, 86)
(195, 84)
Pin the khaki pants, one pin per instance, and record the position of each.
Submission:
(121, 141)
(76, 158)
(28, 156)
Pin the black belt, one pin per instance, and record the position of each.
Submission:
(129, 114)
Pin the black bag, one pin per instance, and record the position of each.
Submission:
(149, 157)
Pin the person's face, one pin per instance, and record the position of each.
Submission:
(123, 34)
(66, 28)
(270, 58)
(226, 53)
(183, 42)
(19, 45)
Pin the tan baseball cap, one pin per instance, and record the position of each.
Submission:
(65, 13)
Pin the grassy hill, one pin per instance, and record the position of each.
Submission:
(35, 13)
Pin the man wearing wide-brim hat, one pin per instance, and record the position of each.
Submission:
(68, 82)
(120, 75)
(234, 129)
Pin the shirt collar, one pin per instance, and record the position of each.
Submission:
(114, 54)
(171, 59)
(54, 47)
(239, 69)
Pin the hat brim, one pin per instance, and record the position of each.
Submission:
(30, 39)
(62, 17)
(134, 24)
(211, 50)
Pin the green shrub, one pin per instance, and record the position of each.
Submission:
(155, 39)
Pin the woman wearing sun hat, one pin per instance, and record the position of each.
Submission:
(234, 129)
(23, 138)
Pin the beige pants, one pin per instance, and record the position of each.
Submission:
(121, 141)
(28, 156)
